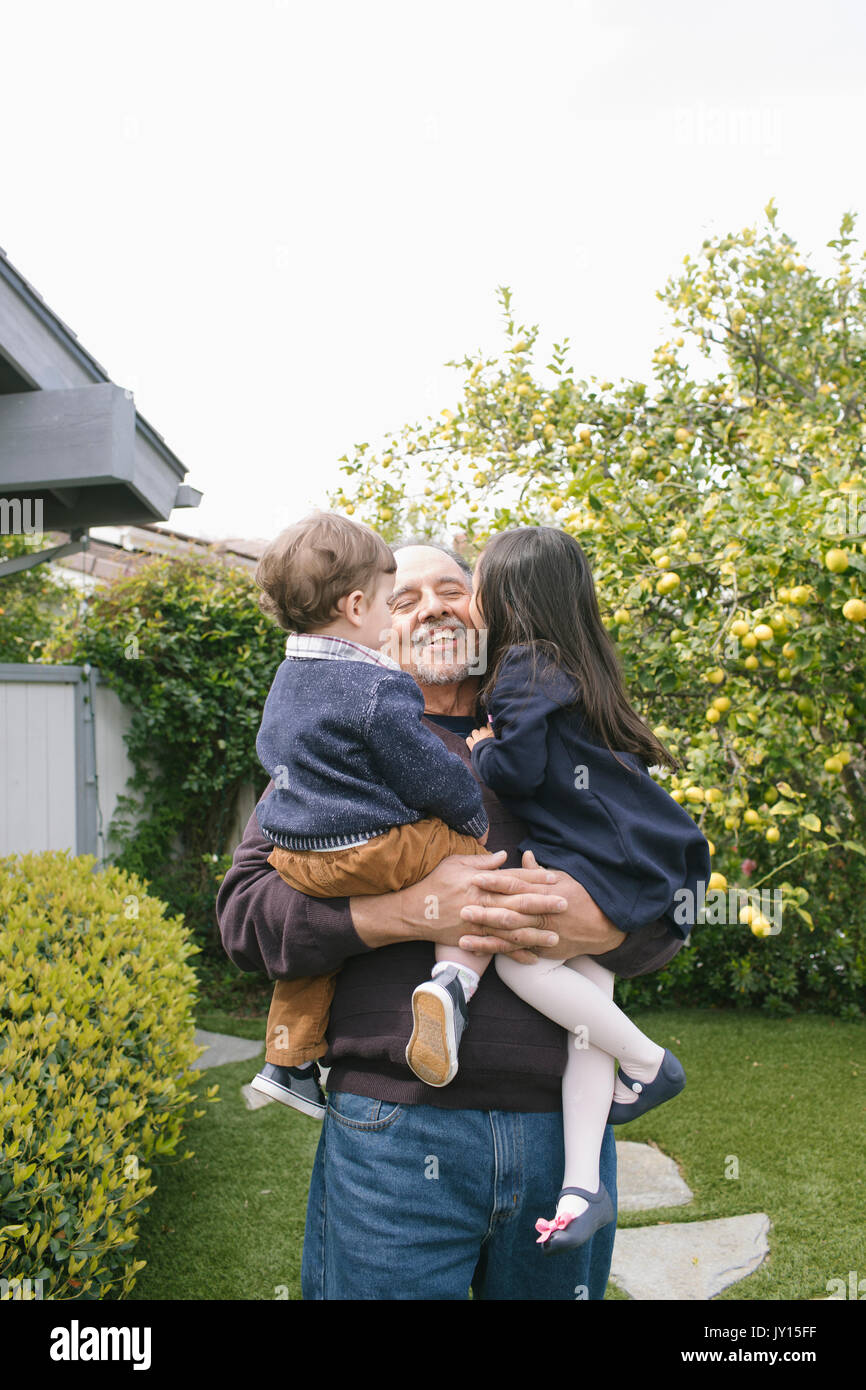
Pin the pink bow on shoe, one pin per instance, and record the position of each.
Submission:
(547, 1228)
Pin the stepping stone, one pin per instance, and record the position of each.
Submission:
(254, 1100)
(691, 1260)
(222, 1048)
(647, 1178)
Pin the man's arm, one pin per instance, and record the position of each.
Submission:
(268, 927)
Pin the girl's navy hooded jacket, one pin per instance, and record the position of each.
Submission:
(612, 828)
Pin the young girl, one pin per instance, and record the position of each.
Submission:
(569, 755)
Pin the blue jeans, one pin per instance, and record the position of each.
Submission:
(416, 1202)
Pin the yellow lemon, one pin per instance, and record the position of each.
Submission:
(668, 583)
(722, 703)
(718, 881)
(716, 676)
(750, 641)
(764, 633)
(773, 834)
(836, 561)
(854, 610)
(739, 628)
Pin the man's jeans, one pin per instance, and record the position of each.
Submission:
(416, 1202)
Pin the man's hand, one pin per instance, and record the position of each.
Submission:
(582, 929)
(527, 905)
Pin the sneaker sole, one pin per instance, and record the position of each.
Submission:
(270, 1088)
(432, 1050)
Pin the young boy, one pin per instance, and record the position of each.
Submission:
(365, 799)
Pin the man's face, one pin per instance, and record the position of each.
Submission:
(430, 617)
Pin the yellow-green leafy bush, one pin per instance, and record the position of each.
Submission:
(96, 1042)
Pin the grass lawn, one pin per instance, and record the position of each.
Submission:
(784, 1098)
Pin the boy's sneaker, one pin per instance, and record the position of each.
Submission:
(440, 1014)
(295, 1086)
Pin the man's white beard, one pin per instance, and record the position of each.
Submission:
(431, 666)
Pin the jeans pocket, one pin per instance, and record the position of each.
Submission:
(362, 1112)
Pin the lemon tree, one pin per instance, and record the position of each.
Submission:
(722, 507)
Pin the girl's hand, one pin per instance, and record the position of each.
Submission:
(477, 735)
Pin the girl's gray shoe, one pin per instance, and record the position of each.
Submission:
(440, 1014)
(295, 1086)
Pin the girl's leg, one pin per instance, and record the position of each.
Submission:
(587, 1089)
(573, 1001)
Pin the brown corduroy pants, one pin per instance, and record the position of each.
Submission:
(298, 1016)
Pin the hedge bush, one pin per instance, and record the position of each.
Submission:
(96, 1002)
(805, 968)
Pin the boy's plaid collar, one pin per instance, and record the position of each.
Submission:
(311, 645)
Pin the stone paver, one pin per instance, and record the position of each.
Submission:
(254, 1100)
(691, 1260)
(223, 1048)
(647, 1178)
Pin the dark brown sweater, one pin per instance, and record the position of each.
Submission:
(511, 1056)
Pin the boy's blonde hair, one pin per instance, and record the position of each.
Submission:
(314, 563)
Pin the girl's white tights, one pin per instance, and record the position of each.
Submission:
(578, 995)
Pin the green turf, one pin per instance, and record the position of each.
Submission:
(785, 1098)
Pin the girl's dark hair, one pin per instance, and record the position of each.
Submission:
(535, 589)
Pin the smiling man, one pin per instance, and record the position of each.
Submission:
(421, 1192)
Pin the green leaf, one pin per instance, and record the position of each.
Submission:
(810, 822)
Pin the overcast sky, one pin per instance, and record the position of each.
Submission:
(274, 221)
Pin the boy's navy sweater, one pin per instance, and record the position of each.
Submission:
(612, 828)
(343, 743)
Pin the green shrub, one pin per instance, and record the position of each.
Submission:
(185, 646)
(96, 998)
(34, 604)
(816, 966)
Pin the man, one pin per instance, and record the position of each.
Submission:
(421, 1192)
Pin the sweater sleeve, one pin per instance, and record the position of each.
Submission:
(514, 763)
(269, 928)
(414, 763)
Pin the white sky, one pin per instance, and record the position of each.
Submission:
(274, 221)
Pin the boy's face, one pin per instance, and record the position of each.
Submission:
(376, 629)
